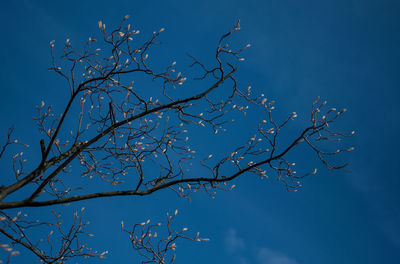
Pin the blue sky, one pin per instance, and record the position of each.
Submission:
(344, 51)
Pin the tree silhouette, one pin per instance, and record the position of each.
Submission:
(113, 132)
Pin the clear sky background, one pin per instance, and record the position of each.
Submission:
(346, 51)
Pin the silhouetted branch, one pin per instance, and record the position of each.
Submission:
(119, 131)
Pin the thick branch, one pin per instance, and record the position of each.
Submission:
(116, 125)
(31, 203)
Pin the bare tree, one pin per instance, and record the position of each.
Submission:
(115, 133)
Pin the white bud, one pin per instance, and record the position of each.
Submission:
(263, 100)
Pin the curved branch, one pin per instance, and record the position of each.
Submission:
(31, 203)
(116, 125)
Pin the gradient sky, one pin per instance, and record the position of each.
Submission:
(346, 51)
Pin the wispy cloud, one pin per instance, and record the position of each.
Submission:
(391, 229)
(268, 256)
(243, 260)
(379, 198)
(236, 246)
(233, 243)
